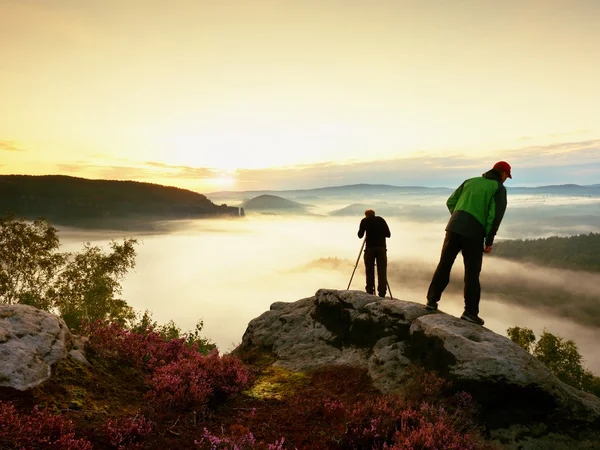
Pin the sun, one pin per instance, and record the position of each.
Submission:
(222, 180)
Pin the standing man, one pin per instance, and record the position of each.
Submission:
(477, 208)
(375, 250)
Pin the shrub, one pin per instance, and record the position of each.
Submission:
(561, 356)
(38, 430)
(180, 376)
(144, 324)
(239, 438)
(318, 415)
(431, 428)
(127, 432)
(192, 382)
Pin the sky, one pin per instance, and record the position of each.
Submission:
(266, 94)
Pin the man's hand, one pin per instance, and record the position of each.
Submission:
(488, 249)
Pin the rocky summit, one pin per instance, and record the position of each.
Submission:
(385, 336)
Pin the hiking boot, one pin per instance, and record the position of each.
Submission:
(382, 295)
(473, 318)
(431, 305)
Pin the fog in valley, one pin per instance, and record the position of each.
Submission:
(229, 271)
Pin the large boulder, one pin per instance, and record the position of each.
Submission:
(31, 341)
(384, 336)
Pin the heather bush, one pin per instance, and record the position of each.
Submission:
(181, 385)
(427, 419)
(389, 423)
(372, 423)
(226, 374)
(111, 340)
(141, 350)
(191, 383)
(37, 430)
(433, 427)
(128, 432)
(423, 385)
(239, 438)
(181, 377)
(431, 418)
(144, 324)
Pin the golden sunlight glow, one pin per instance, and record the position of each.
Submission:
(298, 83)
(221, 181)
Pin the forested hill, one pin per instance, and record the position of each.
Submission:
(70, 200)
(580, 252)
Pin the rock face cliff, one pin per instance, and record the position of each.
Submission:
(384, 336)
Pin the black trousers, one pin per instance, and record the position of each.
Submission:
(472, 251)
(378, 254)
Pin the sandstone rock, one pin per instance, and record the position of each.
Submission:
(31, 341)
(78, 350)
(512, 385)
(384, 336)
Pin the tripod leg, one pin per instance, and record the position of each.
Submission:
(387, 283)
(356, 265)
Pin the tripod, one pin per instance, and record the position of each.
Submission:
(356, 265)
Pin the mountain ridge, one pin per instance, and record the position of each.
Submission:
(66, 200)
(366, 187)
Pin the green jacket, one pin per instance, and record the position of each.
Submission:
(477, 207)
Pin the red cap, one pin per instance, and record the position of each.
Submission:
(503, 165)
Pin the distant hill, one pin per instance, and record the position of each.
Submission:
(416, 213)
(355, 209)
(559, 189)
(580, 252)
(273, 202)
(347, 190)
(71, 200)
(358, 190)
(358, 209)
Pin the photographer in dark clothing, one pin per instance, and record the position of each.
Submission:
(377, 231)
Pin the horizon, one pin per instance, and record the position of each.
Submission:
(269, 96)
(522, 186)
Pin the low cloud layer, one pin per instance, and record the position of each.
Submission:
(228, 272)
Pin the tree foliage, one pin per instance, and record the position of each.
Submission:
(561, 356)
(144, 324)
(523, 337)
(79, 286)
(581, 252)
(71, 200)
(29, 261)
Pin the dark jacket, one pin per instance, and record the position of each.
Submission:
(377, 230)
(477, 207)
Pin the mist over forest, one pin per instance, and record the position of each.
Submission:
(229, 271)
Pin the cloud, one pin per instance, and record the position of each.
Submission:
(10, 146)
(147, 171)
(105, 172)
(559, 163)
(565, 162)
(184, 171)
